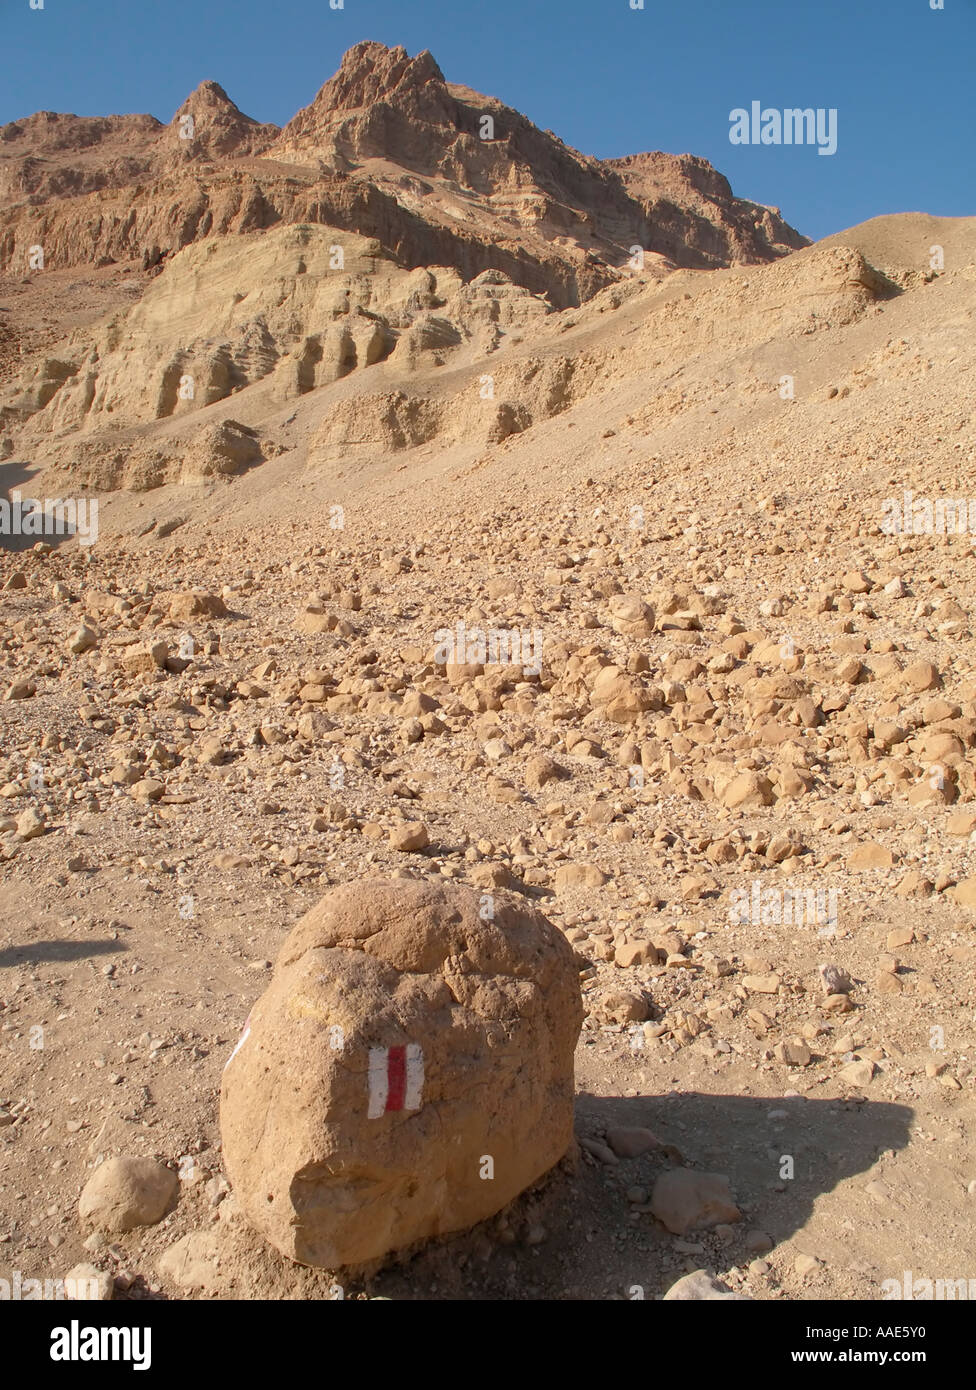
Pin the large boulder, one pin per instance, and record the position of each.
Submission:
(407, 1073)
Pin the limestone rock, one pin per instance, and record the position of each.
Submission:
(620, 697)
(921, 675)
(196, 604)
(409, 837)
(540, 770)
(579, 876)
(630, 616)
(123, 1193)
(30, 825)
(964, 892)
(631, 1141)
(622, 1006)
(748, 790)
(86, 1283)
(402, 1044)
(192, 1262)
(81, 640)
(834, 980)
(684, 1200)
(857, 1073)
(701, 1286)
(870, 855)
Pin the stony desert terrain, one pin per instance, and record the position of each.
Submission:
(341, 387)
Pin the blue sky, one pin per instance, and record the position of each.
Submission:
(608, 79)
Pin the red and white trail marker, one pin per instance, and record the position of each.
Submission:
(396, 1079)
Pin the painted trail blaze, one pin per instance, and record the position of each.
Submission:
(396, 1079)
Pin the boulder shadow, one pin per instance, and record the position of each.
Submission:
(579, 1235)
(780, 1153)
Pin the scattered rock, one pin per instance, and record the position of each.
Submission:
(409, 837)
(629, 1142)
(123, 1193)
(192, 1263)
(700, 1286)
(684, 1200)
(857, 1074)
(86, 1283)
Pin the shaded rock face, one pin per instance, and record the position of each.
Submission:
(696, 217)
(408, 1072)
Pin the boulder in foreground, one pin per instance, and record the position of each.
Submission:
(408, 1072)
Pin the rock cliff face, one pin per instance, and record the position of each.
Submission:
(152, 271)
(387, 149)
(694, 214)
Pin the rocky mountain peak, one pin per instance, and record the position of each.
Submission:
(218, 125)
(371, 72)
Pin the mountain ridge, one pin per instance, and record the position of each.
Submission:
(384, 120)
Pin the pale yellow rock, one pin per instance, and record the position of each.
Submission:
(347, 1140)
(870, 855)
(761, 984)
(123, 1193)
(409, 837)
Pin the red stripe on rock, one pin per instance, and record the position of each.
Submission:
(397, 1075)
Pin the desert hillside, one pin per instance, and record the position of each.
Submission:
(341, 387)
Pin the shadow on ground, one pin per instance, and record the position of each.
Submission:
(37, 951)
(13, 476)
(576, 1235)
